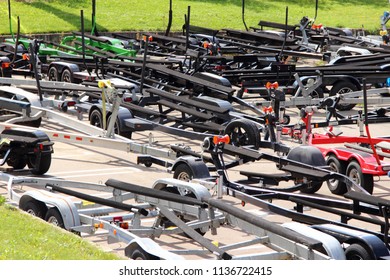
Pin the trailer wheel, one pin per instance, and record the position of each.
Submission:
(67, 76)
(354, 172)
(96, 118)
(41, 167)
(35, 208)
(52, 74)
(183, 172)
(53, 216)
(243, 132)
(17, 161)
(311, 187)
(334, 185)
(140, 255)
(117, 129)
(167, 223)
(357, 252)
(341, 88)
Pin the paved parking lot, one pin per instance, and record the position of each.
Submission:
(96, 165)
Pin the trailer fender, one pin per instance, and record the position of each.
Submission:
(48, 200)
(95, 116)
(330, 244)
(56, 69)
(123, 114)
(374, 248)
(198, 190)
(188, 167)
(5, 67)
(61, 65)
(147, 249)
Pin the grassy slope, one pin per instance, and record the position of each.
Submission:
(41, 16)
(26, 238)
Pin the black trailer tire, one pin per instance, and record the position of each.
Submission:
(118, 130)
(67, 76)
(336, 186)
(96, 118)
(52, 74)
(243, 132)
(17, 161)
(240, 93)
(35, 208)
(39, 168)
(140, 255)
(311, 187)
(357, 252)
(53, 216)
(183, 172)
(167, 223)
(354, 172)
(341, 88)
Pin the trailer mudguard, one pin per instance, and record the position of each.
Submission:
(196, 166)
(373, 244)
(64, 205)
(61, 65)
(25, 135)
(198, 190)
(331, 245)
(147, 249)
(5, 67)
(123, 114)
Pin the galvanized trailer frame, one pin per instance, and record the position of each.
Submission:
(290, 242)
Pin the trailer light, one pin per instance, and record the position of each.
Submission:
(114, 231)
(220, 67)
(243, 203)
(71, 103)
(386, 167)
(124, 225)
(117, 219)
(218, 139)
(89, 79)
(25, 56)
(5, 65)
(316, 26)
(128, 99)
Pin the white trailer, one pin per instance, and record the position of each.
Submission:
(176, 206)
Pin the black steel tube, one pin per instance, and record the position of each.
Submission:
(99, 200)
(154, 193)
(169, 19)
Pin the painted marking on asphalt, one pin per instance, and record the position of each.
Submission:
(94, 172)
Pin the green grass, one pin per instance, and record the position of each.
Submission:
(23, 237)
(39, 16)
